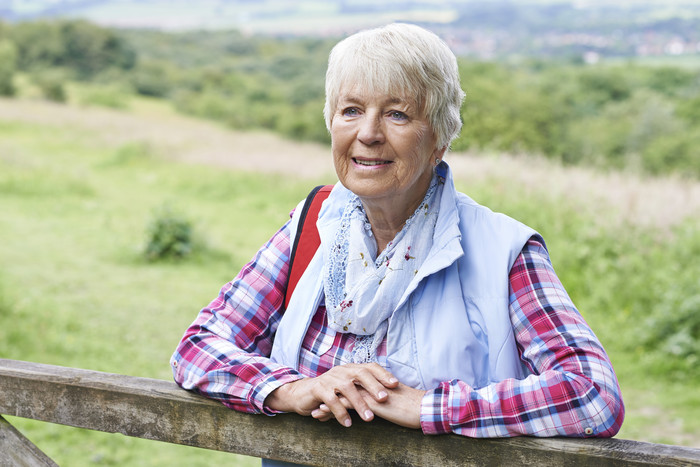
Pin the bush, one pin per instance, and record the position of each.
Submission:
(51, 84)
(110, 96)
(170, 236)
(130, 154)
(153, 79)
(677, 152)
(8, 58)
(668, 299)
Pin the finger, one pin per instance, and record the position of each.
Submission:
(330, 399)
(350, 398)
(347, 396)
(320, 415)
(376, 381)
(323, 413)
(384, 376)
(340, 413)
(358, 399)
(381, 374)
(371, 399)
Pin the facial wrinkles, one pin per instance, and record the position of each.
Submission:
(356, 96)
(379, 110)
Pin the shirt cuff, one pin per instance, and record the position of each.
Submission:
(434, 410)
(269, 384)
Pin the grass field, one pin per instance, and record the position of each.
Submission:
(79, 186)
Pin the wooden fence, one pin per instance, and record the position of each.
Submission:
(159, 410)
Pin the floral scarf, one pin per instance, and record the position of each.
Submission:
(362, 292)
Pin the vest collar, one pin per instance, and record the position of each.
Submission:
(446, 247)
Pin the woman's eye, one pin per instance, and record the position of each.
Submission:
(350, 111)
(396, 115)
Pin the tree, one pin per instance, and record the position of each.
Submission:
(39, 45)
(83, 47)
(90, 49)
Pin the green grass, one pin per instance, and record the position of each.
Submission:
(75, 288)
(76, 291)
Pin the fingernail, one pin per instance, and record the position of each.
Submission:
(368, 414)
(315, 413)
(382, 394)
(347, 422)
(323, 407)
(393, 380)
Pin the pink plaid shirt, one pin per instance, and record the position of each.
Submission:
(572, 389)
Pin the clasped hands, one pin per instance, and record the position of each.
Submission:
(366, 388)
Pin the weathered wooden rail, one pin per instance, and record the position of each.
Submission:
(159, 410)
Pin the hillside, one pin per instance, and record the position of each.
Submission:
(495, 29)
(78, 188)
(642, 201)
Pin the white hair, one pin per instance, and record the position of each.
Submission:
(401, 60)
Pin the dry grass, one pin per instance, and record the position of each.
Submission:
(643, 201)
(178, 137)
(639, 200)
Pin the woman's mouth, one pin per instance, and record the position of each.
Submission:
(369, 162)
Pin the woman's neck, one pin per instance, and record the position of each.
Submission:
(388, 218)
(385, 230)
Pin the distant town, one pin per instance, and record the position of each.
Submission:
(586, 30)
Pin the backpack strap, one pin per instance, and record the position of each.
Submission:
(307, 240)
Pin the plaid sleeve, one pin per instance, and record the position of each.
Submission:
(224, 353)
(572, 389)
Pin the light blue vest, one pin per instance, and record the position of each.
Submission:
(452, 322)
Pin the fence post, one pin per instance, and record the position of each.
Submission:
(16, 450)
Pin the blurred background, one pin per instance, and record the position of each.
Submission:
(148, 148)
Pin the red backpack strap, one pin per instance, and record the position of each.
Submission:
(307, 240)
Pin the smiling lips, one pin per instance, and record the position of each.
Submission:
(370, 162)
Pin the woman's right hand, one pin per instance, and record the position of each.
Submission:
(306, 395)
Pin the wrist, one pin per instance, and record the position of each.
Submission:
(282, 398)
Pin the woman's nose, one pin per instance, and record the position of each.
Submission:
(371, 131)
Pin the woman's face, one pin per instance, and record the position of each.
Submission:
(383, 148)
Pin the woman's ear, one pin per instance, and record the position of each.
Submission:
(439, 153)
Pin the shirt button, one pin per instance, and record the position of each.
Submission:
(588, 431)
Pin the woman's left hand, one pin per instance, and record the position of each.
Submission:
(401, 407)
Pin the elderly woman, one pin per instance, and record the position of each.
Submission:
(420, 306)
